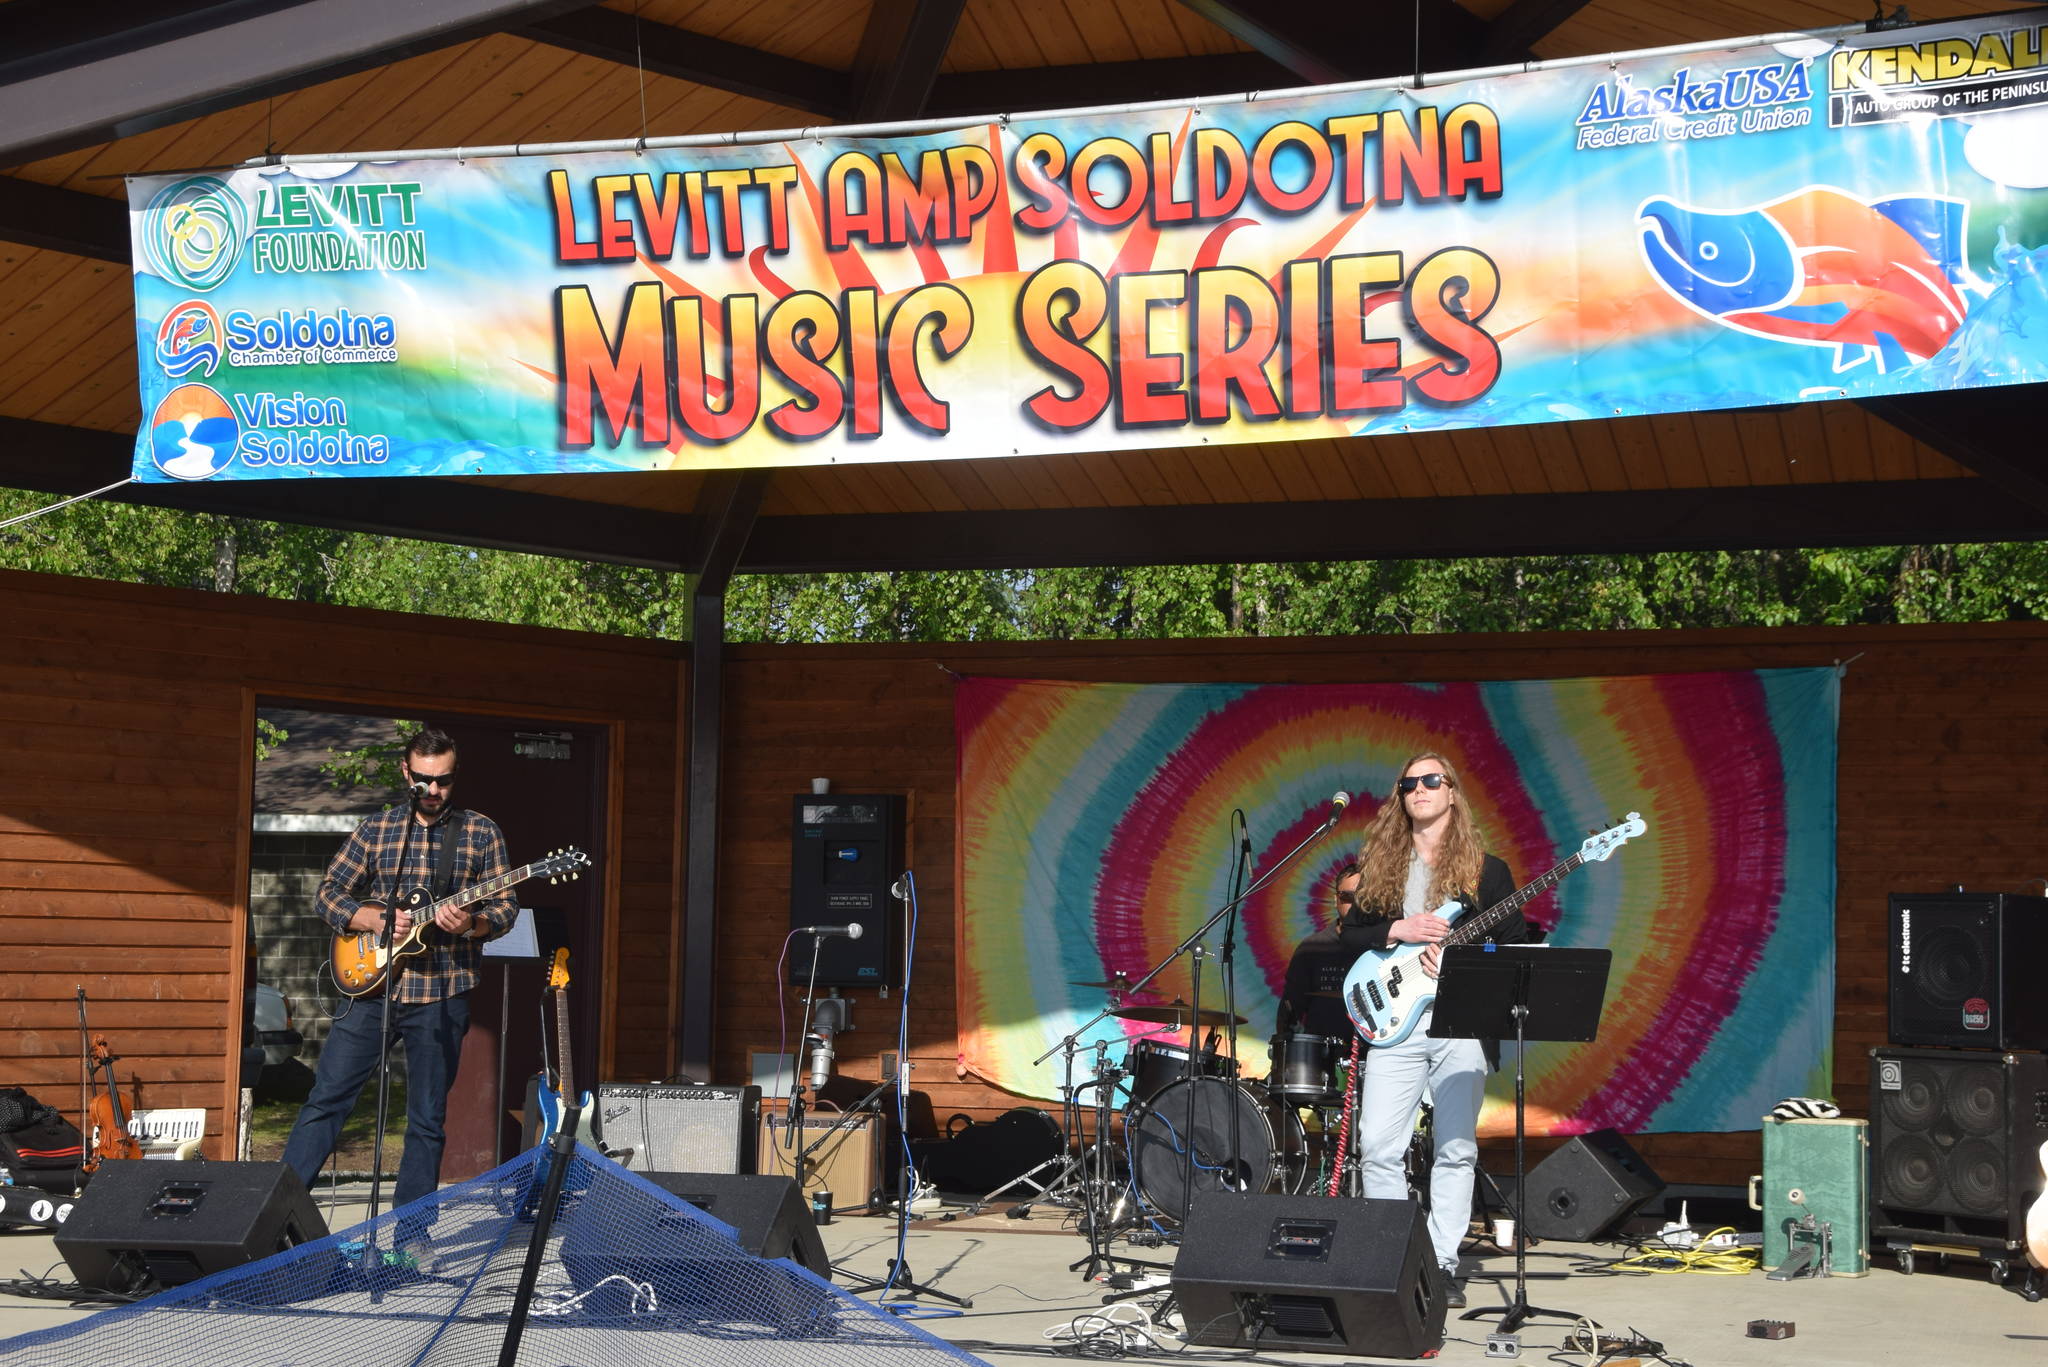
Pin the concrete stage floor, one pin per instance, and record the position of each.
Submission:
(1016, 1273)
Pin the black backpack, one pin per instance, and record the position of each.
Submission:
(35, 1140)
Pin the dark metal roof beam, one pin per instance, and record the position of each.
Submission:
(899, 56)
(206, 58)
(1516, 30)
(669, 51)
(68, 221)
(1324, 45)
(1995, 432)
(1027, 89)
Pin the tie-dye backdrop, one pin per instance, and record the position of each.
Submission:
(1095, 824)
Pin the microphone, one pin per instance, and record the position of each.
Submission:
(419, 789)
(900, 889)
(852, 932)
(821, 1059)
(1339, 800)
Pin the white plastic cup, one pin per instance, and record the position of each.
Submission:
(821, 786)
(1504, 1232)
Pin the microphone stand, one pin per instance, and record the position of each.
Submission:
(388, 998)
(1195, 936)
(793, 1131)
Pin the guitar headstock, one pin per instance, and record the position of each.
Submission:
(564, 865)
(1603, 843)
(558, 976)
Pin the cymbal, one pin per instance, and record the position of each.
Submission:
(1119, 983)
(1175, 1012)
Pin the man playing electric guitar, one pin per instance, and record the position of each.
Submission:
(433, 849)
(1422, 851)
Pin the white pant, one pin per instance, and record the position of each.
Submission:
(1454, 1073)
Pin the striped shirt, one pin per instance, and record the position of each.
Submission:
(366, 869)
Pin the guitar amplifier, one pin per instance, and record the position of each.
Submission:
(680, 1129)
(847, 1162)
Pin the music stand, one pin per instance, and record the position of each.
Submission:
(1539, 992)
(519, 942)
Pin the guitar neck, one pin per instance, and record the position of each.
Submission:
(1480, 926)
(562, 1055)
(489, 887)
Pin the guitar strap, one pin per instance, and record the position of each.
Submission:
(444, 855)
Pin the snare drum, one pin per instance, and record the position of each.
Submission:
(1305, 1068)
(1152, 1064)
(1238, 1141)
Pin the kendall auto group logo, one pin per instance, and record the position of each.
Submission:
(193, 230)
(189, 338)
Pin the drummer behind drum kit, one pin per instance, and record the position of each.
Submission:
(1191, 1124)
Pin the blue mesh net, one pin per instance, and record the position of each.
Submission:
(631, 1275)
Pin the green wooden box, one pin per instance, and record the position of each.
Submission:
(1817, 1167)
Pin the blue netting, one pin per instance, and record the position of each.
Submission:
(631, 1275)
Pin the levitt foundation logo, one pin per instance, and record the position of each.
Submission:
(192, 232)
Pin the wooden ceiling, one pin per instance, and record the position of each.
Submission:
(89, 94)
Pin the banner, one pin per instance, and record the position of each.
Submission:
(1096, 835)
(1816, 219)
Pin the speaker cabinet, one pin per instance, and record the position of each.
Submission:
(1958, 970)
(847, 1162)
(1308, 1274)
(680, 1129)
(180, 1221)
(1954, 1139)
(768, 1213)
(1587, 1187)
(845, 851)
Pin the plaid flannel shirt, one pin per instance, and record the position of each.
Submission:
(366, 869)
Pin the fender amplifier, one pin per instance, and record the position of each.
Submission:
(680, 1129)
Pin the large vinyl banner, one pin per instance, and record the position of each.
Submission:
(1820, 218)
(1096, 834)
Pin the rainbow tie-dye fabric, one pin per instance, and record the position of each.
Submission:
(1096, 835)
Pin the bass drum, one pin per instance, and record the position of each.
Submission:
(1240, 1143)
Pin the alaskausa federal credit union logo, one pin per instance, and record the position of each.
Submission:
(192, 231)
(189, 337)
(193, 433)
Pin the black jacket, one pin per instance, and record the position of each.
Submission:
(1358, 932)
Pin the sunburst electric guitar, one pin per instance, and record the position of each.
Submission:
(361, 963)
(1387, 991)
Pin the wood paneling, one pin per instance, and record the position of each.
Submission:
(124, 807)
(1941, 738)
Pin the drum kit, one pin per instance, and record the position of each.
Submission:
(1174, 1118)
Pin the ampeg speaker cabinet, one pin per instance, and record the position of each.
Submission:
(180, 1221)
(769, 1215)
(1816, 1172)
(680, 1129)
(845, 852)
(1955, 1140)
(846, 1162)
(1308, 1274)
(1587, 1187)
(1958, 970)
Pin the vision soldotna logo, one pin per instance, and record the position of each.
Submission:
(193, 433)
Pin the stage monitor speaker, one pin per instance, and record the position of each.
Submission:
(1954, 1145)
(1587, 1187)
(680, 1129)
(1959, 970)
(180, 1221)
(847, 1162)
(768, 1212)
(1308, 1274)
(845, 852)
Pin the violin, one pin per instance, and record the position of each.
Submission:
(106, 1124)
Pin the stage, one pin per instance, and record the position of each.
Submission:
(1016, 1274)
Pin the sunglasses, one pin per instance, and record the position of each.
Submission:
(446, 780)
(1429, 781)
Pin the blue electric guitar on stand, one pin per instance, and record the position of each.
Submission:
(555, 1100)
(1387, 991)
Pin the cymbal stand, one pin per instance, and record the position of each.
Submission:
(1102, 1217)
(1073, 1167)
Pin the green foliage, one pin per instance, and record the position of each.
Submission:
(1823, 587)
(374, 765)
(269, 736)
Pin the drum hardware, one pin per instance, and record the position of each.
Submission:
(1190, 1125)
(1176, 1013)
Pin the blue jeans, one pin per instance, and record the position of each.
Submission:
(1453, 1072)
(432, 1034)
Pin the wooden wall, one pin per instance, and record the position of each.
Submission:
(1944, 748)
(126, 719)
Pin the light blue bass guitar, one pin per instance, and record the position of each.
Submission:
(555, 1100)
(1387, 991)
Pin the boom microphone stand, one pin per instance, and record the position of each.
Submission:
(387, 999)
(1338, 803)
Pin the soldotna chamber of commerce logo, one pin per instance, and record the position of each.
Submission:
(192, 232)
(193, 433)
(188, 338)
